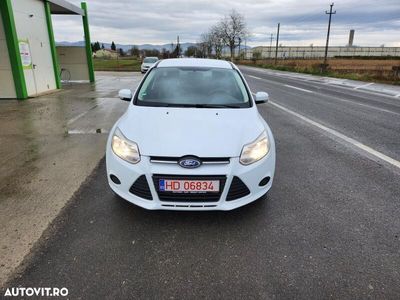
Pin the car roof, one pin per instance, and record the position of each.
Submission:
(195, 62)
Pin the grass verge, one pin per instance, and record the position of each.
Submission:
(120, 64)
(353, 70)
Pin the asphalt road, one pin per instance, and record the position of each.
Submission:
(330, 227)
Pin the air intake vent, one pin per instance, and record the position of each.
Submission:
(141, 188)
(237, 190)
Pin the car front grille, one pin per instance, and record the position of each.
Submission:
(141, 188)
(189, 197)
(175, 160)
(237, 189)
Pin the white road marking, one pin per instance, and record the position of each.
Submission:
(343, 137)
(361, 104)
(80, 115)
(255, 77)
(297, 88)
(330, 96)
(88, 131)
(331, 81)
(363, 85)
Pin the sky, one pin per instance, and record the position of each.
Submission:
(303, 22)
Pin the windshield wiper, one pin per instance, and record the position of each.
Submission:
(217, 106)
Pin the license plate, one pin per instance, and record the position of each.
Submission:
(188, 186)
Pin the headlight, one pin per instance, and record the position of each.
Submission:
(256, 150)
(124, 148)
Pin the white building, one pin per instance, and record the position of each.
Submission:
(29, 63)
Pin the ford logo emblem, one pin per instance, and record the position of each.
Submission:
(189, 162)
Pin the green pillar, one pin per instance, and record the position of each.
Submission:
(54, 56)
(13, 49)
(87, 42)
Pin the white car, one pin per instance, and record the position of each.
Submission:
(148, 62)
(191, 139)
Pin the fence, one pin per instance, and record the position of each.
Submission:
(319, 52)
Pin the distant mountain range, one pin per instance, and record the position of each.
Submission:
(184, 46)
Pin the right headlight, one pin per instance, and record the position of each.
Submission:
(124, 148)
(256, 150)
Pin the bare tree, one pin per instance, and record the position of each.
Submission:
(233, 28)
(206, 44)
(217, 39)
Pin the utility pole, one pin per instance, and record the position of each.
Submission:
(245, 48)
(330, 13)
(277, 41)
(178, 47)
(270, 46)
(240, 41)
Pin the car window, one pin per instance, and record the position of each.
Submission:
(184, 86)
(150, 60)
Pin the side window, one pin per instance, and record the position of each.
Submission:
(147, 86)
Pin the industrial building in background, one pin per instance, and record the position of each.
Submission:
(30, 63)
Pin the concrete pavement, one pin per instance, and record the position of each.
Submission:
(48, 146)
(328, 229)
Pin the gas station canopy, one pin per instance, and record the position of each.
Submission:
(62, 7)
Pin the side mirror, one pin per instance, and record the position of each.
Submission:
(125, 94)
(262, 97)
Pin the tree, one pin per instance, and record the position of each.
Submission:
(113, 47)
(191, 51)
(206, 44)
(152, 52)
(256, 55)
(217, 39)
(102, 46)
(165, 53)
(135, 51)
(95, 46)
(121, 52)
(233, 28)
(177, 51)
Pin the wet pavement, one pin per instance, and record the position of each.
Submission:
(48, 146)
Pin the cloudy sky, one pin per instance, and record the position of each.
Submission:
(303, 22)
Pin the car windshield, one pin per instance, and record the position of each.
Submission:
(150, 60)
(193, 87)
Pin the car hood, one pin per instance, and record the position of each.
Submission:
(161, 131)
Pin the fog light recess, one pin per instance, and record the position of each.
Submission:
(115, 179)
(264, 181)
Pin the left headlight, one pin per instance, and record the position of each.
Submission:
(124, 148)
(256, 150)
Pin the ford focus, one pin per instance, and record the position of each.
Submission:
(191, 139)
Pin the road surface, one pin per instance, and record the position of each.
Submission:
(330, 227)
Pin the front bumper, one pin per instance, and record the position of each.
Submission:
(250, 175)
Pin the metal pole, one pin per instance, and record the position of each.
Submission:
(245, 48)
(240, 41)
(330, 13)
(87, 42)
(270, 46)
(178, 47)
(277, 41)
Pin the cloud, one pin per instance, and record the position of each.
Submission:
(302, 22)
